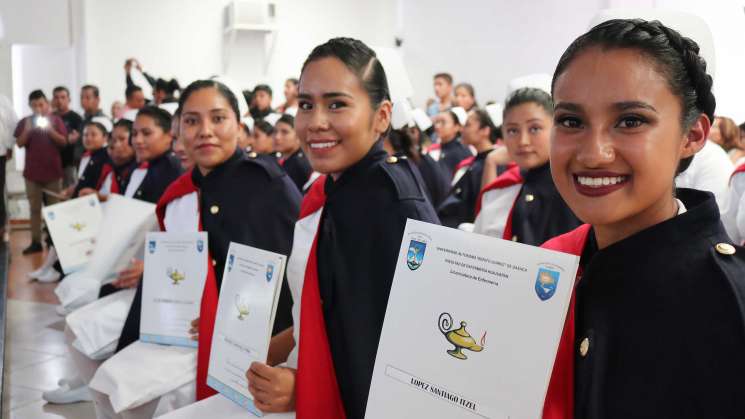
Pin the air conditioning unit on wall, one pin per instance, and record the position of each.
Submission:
(248, 15)
(252, 17)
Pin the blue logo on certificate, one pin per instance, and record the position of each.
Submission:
(545, 283)
(92, 202)
(231, 259)
(151, 246)
(51, 215)
(415, 257)
(269, 272)
(200, 245)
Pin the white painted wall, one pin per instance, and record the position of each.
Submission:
(183, 39)
(41, 67)
(44, 22)
(487, 42)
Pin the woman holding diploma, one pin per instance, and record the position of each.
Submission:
(522, 204)
(656, 327)
(235, 197)
(347, 241)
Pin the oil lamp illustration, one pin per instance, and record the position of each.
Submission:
(242, 307)
(460, 338)
(175, 275)
(77, 226)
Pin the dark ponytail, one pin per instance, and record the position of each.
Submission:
(402, 144)
(676, 56)
(484, 120)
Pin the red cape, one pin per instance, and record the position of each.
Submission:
(105, 171)
(183, 186)
(509, 178)
(465, 163)
(738, 169)
(559, 402)
(316, 390)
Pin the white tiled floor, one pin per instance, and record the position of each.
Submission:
(35, 359)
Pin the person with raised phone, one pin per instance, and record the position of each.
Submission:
(235, 198)
(347, 241)
(656, 327)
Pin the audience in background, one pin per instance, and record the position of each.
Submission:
(117, 110)
(465, 96)
(290, 105)
(261, 105)
(262, 137)
(726, 133)
(443, 84)
(73, 123)
(135, 98)
(43, 135)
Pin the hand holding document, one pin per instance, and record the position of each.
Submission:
(472, 327)
(245, 315)
(173, 282)
(74, 226)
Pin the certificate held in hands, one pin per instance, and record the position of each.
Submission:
(73, 226)
(472, 327)
(249, 294)
(173, 281)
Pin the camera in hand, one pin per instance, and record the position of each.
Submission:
(40, 121)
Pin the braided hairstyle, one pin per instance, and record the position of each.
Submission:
(676, 57)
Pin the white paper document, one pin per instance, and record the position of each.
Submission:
(245, 316)
(120, 238)
(172, 286)
(472, 327)
(73, 226)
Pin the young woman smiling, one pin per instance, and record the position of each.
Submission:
(656, 325)
(235, 198)
(347, 241)
(522, 204)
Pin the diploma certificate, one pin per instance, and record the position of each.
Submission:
(73, 226)
(245, 316)
(472, 327)
(173, 282)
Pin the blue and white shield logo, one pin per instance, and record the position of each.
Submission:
(545, 283)
(92, 202)
(151, 246)
(200, 245)
(416, 254)
(269, 272)
(231, 260)
(51, 215)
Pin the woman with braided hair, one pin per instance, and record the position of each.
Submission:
(656, 326)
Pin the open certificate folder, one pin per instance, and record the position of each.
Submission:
(249, 294)
(73, 226)
(472, 327)
(173, 281)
